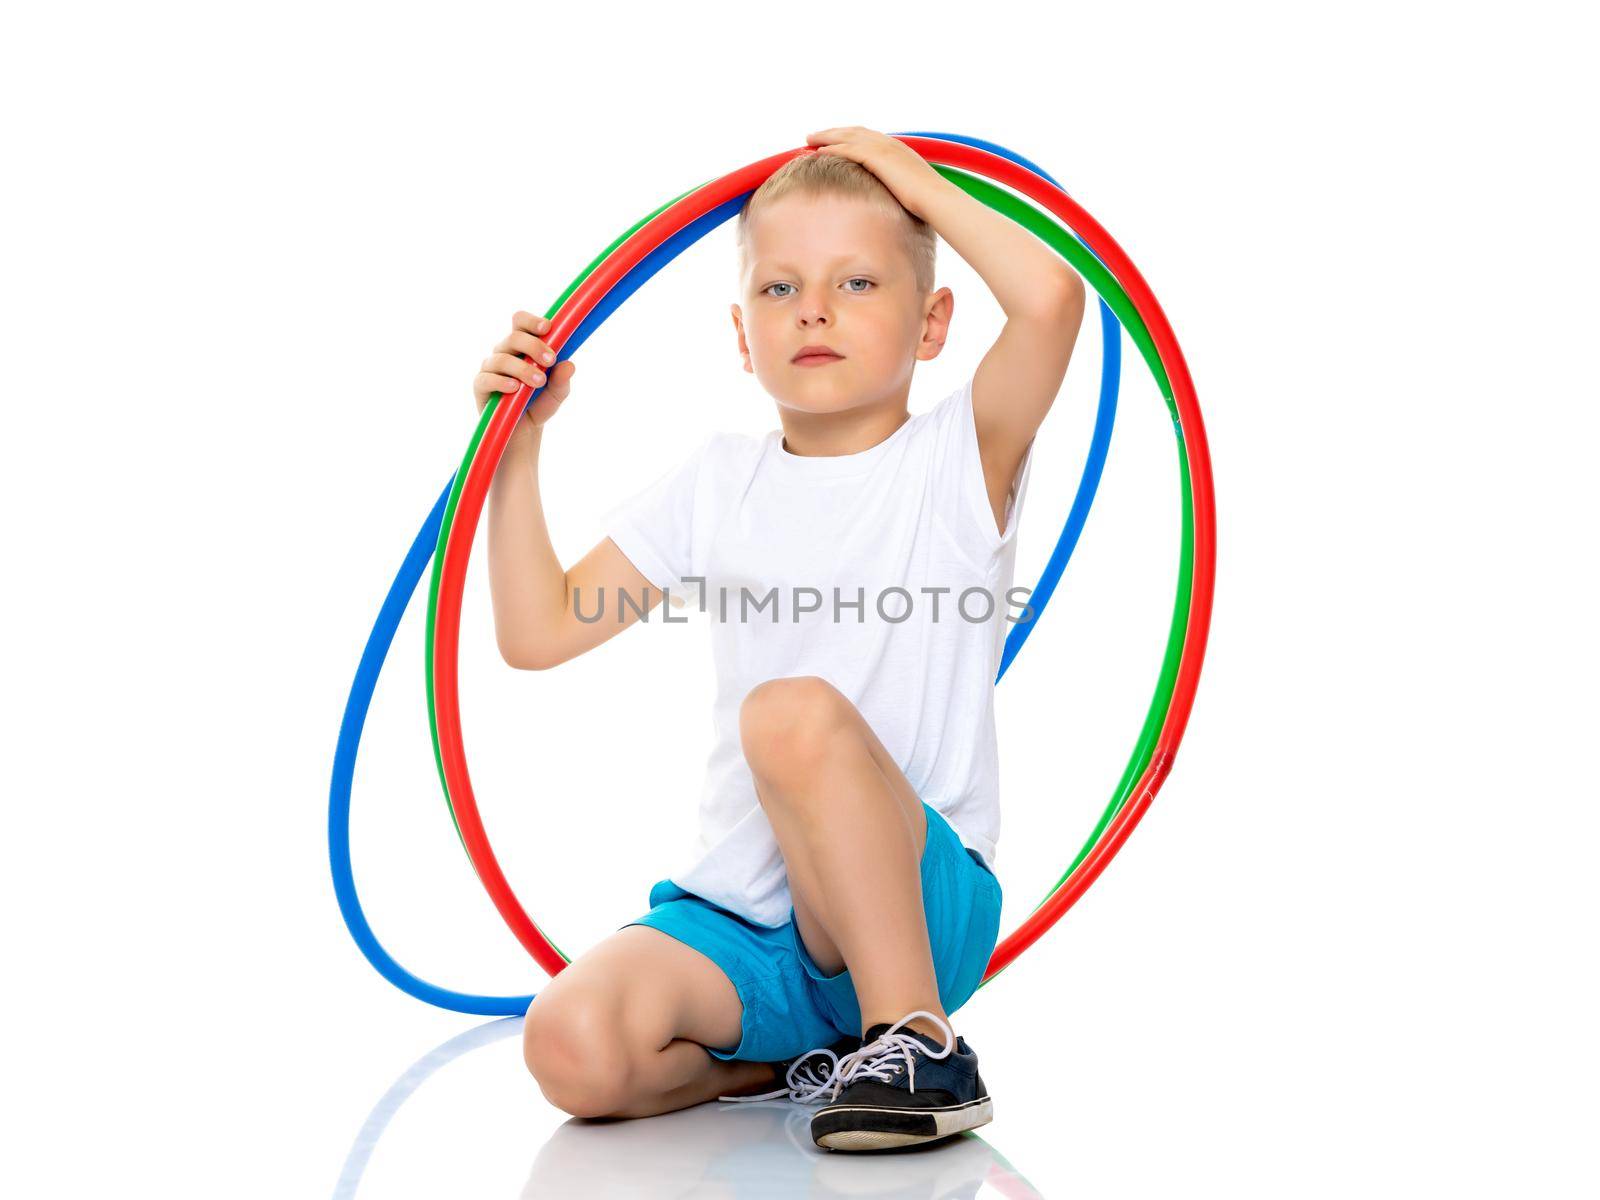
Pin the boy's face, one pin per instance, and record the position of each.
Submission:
(829, 270)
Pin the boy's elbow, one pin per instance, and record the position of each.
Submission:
(525, 658)
(1060, 301)
(1070, 295)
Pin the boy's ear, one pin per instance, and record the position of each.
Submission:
(936, 323)
(744, 350)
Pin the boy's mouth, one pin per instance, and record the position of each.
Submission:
(815, 356)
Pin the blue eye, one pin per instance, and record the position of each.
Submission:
(858, 279)
(770, 286)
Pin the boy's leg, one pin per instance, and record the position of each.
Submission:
(622, 1030)
(852, 831)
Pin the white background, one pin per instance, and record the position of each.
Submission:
(253, 257)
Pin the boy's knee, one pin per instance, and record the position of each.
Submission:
(790, 722)
(577, 1059)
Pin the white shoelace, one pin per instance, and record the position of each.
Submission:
(802, 1081)
(880, 1059)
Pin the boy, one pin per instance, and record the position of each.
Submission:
(842, 882)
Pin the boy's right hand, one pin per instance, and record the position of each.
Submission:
(505, 370)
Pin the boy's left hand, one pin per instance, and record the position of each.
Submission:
(903, 171)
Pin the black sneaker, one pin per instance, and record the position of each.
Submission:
(903, 1088)
(804, 1080)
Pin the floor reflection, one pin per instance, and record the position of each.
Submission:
(760, 1149)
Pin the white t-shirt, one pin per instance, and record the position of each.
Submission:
(772, 534)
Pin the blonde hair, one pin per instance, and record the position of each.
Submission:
(812, 174)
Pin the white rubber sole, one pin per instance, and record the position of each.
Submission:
(901, 1127)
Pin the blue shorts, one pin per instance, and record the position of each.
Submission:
(790, 1006)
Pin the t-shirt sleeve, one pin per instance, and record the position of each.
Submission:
(655, 526)
(960, 469)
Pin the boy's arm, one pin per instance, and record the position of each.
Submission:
(1042, 297)
(1043, 300)
(535, 624)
